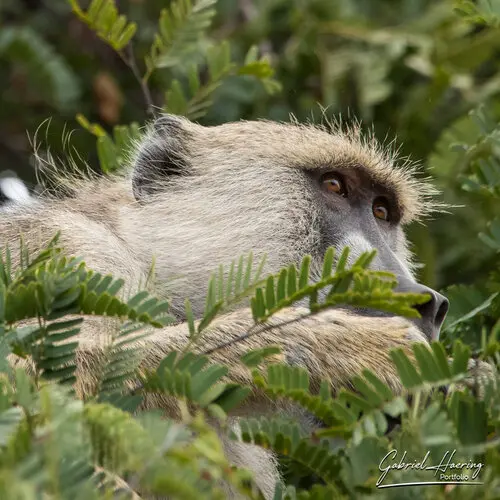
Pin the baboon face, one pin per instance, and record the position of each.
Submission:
(283, 189)
(362, 214)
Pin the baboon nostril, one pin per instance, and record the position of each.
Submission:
(424, 309)
(434, 311)
(442, 311)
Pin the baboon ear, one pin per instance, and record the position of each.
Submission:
(162, 153)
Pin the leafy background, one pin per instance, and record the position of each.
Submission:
(424, 71)
(412, 68)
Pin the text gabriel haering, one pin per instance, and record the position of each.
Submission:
(449, 471)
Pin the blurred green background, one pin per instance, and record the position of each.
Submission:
(410, 69)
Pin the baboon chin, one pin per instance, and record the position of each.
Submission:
(196, 197)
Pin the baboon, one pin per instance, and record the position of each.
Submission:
(195, 197)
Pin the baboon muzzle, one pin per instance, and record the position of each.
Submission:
(433, 312)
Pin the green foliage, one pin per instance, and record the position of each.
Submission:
(219, 67)
(481, 12)
(356, 286)
(374, 400)
(360, 420)
(103, 18)
(52, 287)
(85, 451)
(181, 27)
(242, 279)
(188, 377)
(285, 438)
(112, 151)
(45, 68)
(176, 47)
(475, 159)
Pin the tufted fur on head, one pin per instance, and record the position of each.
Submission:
(174, 145)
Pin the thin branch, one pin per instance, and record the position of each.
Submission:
(128, 57)
(254, 331)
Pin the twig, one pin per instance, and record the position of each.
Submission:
(128, 57)
(254, 331)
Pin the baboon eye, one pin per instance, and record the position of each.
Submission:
(381, 209)
(334, 183)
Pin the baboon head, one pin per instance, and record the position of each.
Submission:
(281, 189)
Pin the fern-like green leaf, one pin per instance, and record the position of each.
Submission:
(287, 439)
(190, 377)
(433, 370)
(113, 152)
(181, 27)
(257, 356)
(103, 18)
(355, 286)
(50, 287)
(224, 292)
(292, 382)
(195, 100)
